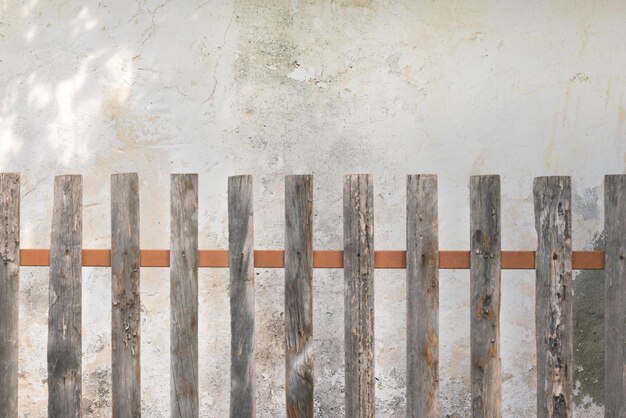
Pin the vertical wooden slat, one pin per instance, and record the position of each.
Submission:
(422, 287)
(358, 262)
(615, 296)
(485, 265)
(299, 296)
(126, 303)
(241, 262)
(184, 295)
(9, 290)
(64, 316)
(553, 306)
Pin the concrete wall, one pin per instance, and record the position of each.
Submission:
(272, 87)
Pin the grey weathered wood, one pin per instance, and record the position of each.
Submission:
(9, 290)
(299, 296)
(358, 265)
(485, 265)
(422, 298)
(241, 266)
(126, 303)
(184, 295)
(64, 315)
(553, 297)
(615, 296)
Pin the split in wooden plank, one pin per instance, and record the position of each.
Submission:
(126, 302)
(358, 256)
(184, 295)
(422, 297)
(615, 296)
(9, 290)
(299, 296)
(485, 275)
(241, 256)
(64, 315)
(553, 296)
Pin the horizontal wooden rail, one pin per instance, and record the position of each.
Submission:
(384, 259)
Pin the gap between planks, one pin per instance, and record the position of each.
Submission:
(384, 259)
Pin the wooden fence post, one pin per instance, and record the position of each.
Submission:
(485, 265)
(126, 302)
(422, 297)
(358, 262)
(615, 296)
(553, 306)
(184, 295)
(241, 266)
(299, 296)
(9, 290)
(64, 316)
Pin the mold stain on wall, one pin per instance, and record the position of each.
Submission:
(588, 321)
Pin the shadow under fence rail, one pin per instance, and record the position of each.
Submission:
(553, 261)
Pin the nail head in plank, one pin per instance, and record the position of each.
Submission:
(299, 296)
(553, 296)
(126, 301)
(64, 315)
(422, 287)
(184, 295)
(485, 270)
(358, 256)
(241, 258)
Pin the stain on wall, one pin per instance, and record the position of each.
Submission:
(588, 321)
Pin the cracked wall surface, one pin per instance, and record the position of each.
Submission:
(323, 87)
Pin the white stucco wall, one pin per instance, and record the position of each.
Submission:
(272, 87)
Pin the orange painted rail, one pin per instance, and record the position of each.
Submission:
(384, 259)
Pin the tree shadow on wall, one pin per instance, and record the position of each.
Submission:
(82, 79)
(78, 82)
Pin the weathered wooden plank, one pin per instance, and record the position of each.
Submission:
(64, 315)
(126, 302)
(299, 296)
(485, 268)
(553, 297)
(241, 261)
(358, 262)
(422, 297)
(9, 290)
(615, 296)
(184, 295)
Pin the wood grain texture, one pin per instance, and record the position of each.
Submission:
(358, 261)
(615, 296)
(299, 296)
(64, 315)
(184, 295)
(241, 260)
(553, 297)
(126, 302)
(9, 290)
(485, 261)
(422, 298)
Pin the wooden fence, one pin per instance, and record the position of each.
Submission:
(553, 262)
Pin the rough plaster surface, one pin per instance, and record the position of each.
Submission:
(272, 87)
